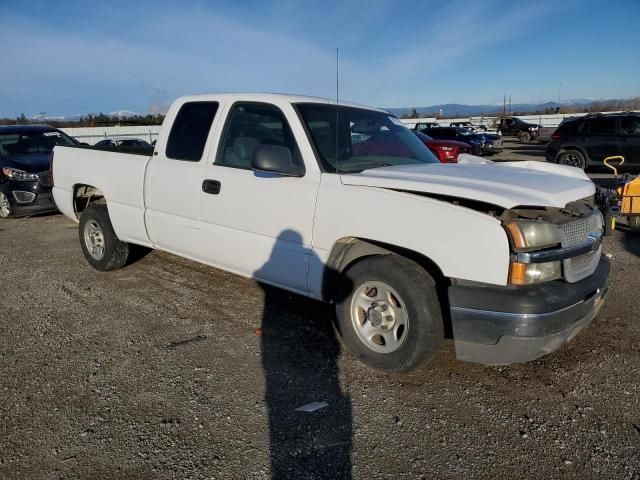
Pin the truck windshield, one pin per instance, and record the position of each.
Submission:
(30, 142)
(365, 138)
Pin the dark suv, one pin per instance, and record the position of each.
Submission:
(586, 141)
(25, 182)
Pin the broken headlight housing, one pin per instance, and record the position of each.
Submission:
(531, 235)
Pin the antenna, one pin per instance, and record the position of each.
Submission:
(337, 99)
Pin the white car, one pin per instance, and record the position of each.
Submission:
(476, 128)
(122, 141)
(344, 204)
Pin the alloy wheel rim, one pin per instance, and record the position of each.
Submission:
(5, 206)
(572, 160)
(94, 240)
(379, 317)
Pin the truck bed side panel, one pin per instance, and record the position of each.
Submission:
(119, 176)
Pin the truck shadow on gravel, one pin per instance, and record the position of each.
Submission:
(300, 365)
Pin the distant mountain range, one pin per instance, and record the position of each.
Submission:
(117, 114)
(448, 110)
(460, 110)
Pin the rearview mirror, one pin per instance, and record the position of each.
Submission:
(275, 159)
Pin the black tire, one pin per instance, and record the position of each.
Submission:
(424, 329)
(572, 158)
(115, 252)
(524, 137)
(634, 222)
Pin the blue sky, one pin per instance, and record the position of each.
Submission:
(66, 57)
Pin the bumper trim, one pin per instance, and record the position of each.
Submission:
(498, 325)
(530, 335)
(591, 244)
(43, 203)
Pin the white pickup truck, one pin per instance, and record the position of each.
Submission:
(344, 204)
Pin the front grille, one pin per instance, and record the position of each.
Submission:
(582, 262)
(44, 178)
(577, 231)
(572, 233)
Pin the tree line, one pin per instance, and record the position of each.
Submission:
(616, 105)
(90, 120)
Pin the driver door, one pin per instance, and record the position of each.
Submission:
(257, 224)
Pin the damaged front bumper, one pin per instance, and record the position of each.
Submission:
(500, 325)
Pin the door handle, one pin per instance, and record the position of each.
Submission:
(211, 186)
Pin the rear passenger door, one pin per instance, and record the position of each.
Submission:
(630, 135)
(602, 138)
(173, 178)
(258, 224)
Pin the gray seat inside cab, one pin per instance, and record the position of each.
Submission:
(241, 152)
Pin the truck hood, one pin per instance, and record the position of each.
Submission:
(508, 184)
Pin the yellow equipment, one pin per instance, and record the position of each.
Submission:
(628, 197)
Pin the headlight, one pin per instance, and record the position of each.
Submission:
(532, 235)
(19, 175)
(528, 273)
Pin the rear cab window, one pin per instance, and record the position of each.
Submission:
(190, 131)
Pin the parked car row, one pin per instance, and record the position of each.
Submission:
(447, 151)
(480, 143)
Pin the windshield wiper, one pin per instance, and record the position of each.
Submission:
(379, 164)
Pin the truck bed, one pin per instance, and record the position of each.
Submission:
(117, 175)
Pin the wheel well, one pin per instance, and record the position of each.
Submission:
(565, 148)
(84, 195)
(350, 249)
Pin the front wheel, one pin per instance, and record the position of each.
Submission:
(634, 222)
(388, 313)
(524, 137)
(100, 245)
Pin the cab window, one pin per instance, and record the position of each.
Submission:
(250, 125)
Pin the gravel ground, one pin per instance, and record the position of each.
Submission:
(169, 369)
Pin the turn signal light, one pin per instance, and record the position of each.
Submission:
(529, 273)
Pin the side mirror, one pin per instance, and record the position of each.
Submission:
(275, 159)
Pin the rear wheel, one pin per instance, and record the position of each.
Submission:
(572, 158)
(5, 206)
(524, 137)
(388, 313)
(100, 245)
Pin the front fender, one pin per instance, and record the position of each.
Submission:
(463, 243)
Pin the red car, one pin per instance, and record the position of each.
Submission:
(447, 151)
